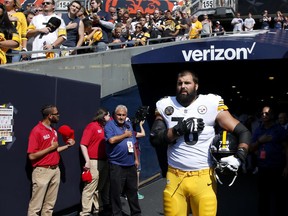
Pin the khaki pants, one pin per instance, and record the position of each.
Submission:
(96, 193)
(45, 185)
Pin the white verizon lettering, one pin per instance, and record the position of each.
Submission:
(219, 54)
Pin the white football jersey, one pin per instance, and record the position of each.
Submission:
(191, 157)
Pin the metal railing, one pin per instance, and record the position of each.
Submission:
(131, 44)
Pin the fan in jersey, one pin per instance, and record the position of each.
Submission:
(184, 125)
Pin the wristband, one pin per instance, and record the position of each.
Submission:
(241, 154)
(24, 49)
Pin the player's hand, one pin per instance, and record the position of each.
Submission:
(183, 127)
(200, 125)
(231, 162)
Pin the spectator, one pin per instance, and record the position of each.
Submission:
(82, 13)
(44, 39)
(283, 120)
(126, 24)
(113, 13)
(102, 20)
(135, 20)
(120, 13)
(218, 29)
(117, 38)
(285, 23)
(206, 27)
(9, 37)
(195, 28)
(29, 6)
(265, 20)
(185, 125)
(92, 35)
(139, 38)
(38, 9)
(170, 27)
(43, 152)
(184, 25)
(269, 141)
(29, 16)
(155, 27)
(144, 24)
(186, 7)
(237, 23)
(19, 21)
(278, 20)
(95, 193)
(74, 29)
(123, 162)
(249, 23)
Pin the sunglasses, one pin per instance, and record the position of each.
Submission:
(264, 114)
(138, 27)
(55, 114)
(46, 3)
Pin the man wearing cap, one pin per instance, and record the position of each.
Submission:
(45, 39)
(43, 152)
(218, 29)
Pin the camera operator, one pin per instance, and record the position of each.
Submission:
(139, 134)
(139, 118)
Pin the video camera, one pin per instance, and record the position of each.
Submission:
(140, 114)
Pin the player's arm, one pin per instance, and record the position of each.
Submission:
(229, 123)
(159, 133)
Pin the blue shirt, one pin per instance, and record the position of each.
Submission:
(274, 150)
(118, 153)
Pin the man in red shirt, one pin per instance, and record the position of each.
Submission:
(43, 152)
(96, 192)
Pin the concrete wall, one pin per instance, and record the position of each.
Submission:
(110, 69)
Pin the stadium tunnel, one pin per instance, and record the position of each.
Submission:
(246, 70)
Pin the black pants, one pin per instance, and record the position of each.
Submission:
(272, 188)
(124, 180)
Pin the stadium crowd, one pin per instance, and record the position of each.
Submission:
(83, 30)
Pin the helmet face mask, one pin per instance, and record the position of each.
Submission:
(223, 145)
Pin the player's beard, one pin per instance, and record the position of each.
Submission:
(186, 99)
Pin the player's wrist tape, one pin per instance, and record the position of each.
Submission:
(241, 154)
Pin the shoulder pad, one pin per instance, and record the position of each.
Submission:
(163, 98)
